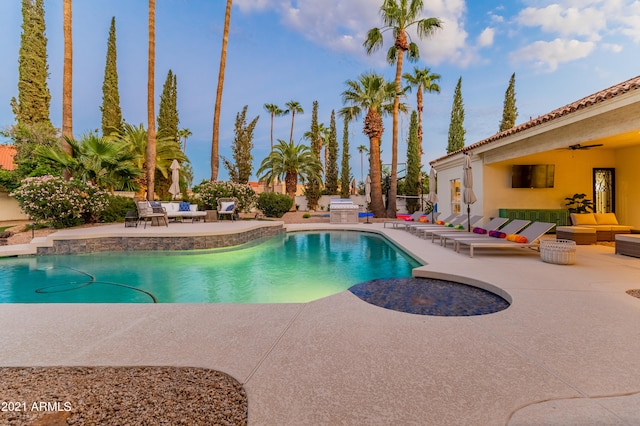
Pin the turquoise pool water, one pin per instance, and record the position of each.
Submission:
(293, 267)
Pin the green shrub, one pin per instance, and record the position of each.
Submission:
(273, 204)
(52, 200)
(116, 209)
(306, 216)
(209, 192)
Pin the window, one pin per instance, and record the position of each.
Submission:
(455, 196)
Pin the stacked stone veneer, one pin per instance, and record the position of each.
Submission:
(133, 243)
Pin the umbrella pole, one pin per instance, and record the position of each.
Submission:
(469, 217)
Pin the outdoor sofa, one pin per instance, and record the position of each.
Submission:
(605, 224)
(183, 210)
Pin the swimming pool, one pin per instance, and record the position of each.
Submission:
(288, 268)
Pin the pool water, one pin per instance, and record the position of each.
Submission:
(288, 268)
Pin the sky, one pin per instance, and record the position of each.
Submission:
(305, 51)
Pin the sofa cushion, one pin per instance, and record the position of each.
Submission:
(606, 218)
(184, 206)
(583, 219)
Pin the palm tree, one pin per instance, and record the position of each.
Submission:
(293, 107)
(398, 16)
(151, 121)
(371, 92)
(290, 162)
(104, 162)
(424, 81)
(215, 160)
(362, 149)
(275, 111)
(67, 84)
(134, 140)
(183, 135)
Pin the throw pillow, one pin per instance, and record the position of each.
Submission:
(479, 231)
(185, 206)
(226, 206)
(583, 219)
(606, 218)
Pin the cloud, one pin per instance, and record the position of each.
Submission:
(485, 38)
(615, 48)
(566, 21)
(342, 26)
(548, 55)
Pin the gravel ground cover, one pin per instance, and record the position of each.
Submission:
(37, 396)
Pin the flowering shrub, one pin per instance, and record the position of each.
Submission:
(61, 203)
(210, 192)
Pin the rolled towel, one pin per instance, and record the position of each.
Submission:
(450, 225)
(439, 222)
(423, 220)
(517, 238)
(461, 227)
(479, 231)
(497, 234)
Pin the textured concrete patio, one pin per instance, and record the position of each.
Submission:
(564, 352)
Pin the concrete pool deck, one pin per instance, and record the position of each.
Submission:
(564, 352)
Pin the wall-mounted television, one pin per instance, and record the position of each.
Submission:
(532, 175)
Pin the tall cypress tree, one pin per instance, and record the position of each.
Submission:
(32, 106)
(509, 112)
(345, 172)
(312, 189)
(240, 171)
(111, 111)
(332, 167)
(456, 127)
(412, 179)
(168, 115)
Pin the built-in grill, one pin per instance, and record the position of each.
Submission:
(343, 210)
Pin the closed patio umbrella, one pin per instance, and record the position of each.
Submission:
(432, 197)
(367, 193)
(174, 189)
(468, 197)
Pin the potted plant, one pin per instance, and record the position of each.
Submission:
(579, 204)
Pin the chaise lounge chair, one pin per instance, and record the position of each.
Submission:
(492, 225)
(453, 220)
(512, 227)
(415, 217)
(531, 235)
(460, 227)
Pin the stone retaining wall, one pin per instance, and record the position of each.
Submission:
(98, 244)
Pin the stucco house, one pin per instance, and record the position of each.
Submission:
(590, 146)
(9, 208)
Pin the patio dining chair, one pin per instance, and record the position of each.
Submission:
(227, 206)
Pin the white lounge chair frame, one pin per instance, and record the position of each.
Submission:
(533, 233)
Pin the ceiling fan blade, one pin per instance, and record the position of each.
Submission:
(579, 146)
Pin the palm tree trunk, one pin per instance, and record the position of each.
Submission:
(151, 122)
(293, 114)
(420, 100)
(375, 171)
(67, 84)
(216, 113)
(272, 115)
(291, 185)
(393, 187)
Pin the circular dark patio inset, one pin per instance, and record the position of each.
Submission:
(428, 296)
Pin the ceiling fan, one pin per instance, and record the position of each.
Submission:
(579, 146)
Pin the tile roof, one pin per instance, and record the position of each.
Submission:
(7, 152)
(596, 98)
